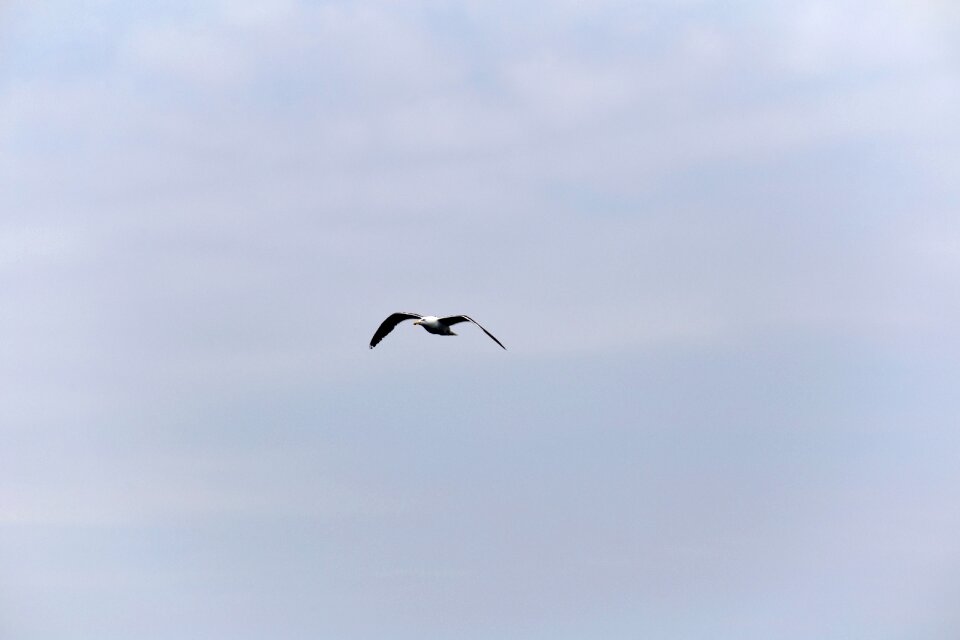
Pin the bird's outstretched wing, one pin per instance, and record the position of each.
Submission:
(450, 320)
(387, 325)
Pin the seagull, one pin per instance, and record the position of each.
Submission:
(433, 324)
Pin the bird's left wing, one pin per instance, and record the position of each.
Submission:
(451, 320)
(387, 325)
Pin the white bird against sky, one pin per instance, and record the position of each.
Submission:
(433, 324)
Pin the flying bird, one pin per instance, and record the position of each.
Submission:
(433, 324)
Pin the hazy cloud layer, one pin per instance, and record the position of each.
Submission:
(719, 240)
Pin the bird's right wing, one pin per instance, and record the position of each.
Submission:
(450, 320)
(387, 325)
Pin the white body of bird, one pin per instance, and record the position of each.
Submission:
(432, 325)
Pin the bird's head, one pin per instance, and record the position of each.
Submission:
(418, 321)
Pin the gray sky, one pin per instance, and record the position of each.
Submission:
(720, 240)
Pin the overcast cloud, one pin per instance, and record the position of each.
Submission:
(720, 241)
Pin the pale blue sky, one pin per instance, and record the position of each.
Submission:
(720, 240)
